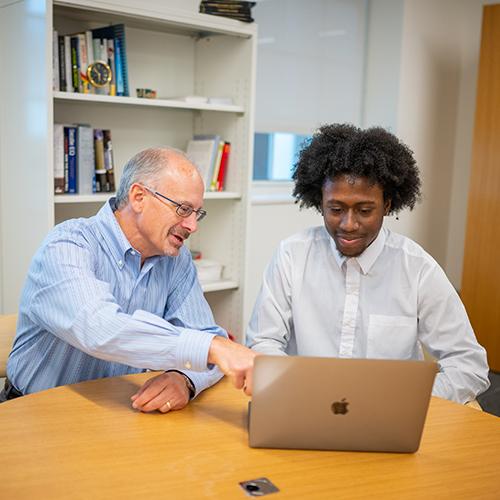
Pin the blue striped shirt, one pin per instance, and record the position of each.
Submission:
(89, 310)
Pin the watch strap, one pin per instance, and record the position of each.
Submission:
(189, 383)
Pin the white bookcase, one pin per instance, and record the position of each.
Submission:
(177, 54)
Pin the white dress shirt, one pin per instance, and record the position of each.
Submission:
(386, 303)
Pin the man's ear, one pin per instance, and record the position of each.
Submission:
(136, 197)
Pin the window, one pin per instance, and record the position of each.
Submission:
(275, 155)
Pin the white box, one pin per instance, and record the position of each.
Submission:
(208, 270)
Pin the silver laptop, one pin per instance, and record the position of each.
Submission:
(339, 404)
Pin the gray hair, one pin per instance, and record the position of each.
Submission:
(146, 167)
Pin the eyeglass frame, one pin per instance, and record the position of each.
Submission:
(200, 213)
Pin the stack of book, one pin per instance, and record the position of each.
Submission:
(242, 11)
(211, 155)
(83, 160)
(73, 54)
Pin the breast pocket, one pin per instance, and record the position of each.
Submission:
(391, 337)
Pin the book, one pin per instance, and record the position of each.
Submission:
(241, 11)
(83, 63)
(111, 62)
(90, 59)
(71, 132)
(67, 64)
(215, 173)
(65, 159)
(62, 64)
(120, 84)
(75, 72)
(221, 178)
(58, 158)
(85, 160)
(202, 151)
(55, 61)
(100, 170)
(108, 160)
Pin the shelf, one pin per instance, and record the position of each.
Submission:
(175, 21)
(217, 286)
(222, 195)
(82, 198)
(137, 101)
(102, 197)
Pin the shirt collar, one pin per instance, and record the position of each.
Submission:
(112, 233)
(368, 257)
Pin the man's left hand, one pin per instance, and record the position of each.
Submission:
(165, 392)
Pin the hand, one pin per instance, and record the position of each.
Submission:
(165, 392)
(234, 360)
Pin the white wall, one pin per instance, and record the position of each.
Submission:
(382, 63)
(273, 217)
(310, 63)
(439, 56)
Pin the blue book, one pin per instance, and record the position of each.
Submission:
(72, 159)
(120, 86)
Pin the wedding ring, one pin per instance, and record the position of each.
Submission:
(168, 405)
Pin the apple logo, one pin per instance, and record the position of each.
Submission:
(340, 407)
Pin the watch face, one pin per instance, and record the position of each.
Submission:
(99, 73)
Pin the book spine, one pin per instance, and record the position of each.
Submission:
(120, 87)
(85, 155)
(213, 183)
(67, 63)
(72, 160)
(104, 58)
(221, 179)
(97, 51)
(100, 170)
(55, 61)
(119, 34)
(58, 158)
(108, 160)
(83, 63)
(75, 64)
(62, 65)
(66, 176)
(111, 62)
(90, 47)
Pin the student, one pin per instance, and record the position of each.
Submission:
(354, 289)
(118, 293)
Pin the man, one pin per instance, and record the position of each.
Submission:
(117, 294)
(354, 289)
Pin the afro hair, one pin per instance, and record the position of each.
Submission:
(374, 153)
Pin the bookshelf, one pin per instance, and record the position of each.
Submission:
(175, 52)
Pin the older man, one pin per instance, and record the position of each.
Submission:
(117, 293)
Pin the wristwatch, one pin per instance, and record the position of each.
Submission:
(189, 383)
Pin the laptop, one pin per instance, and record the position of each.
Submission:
(339, 404)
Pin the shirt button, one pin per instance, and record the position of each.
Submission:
(132, 252)
(120, 263)
(187, 365)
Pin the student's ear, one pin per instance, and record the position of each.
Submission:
(387, 206)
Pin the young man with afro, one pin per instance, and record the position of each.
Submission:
(354, 289)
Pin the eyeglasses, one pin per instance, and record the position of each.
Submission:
(181, 210)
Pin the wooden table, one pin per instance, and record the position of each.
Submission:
(85, 441)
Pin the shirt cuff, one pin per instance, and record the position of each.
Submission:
(192, 350)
